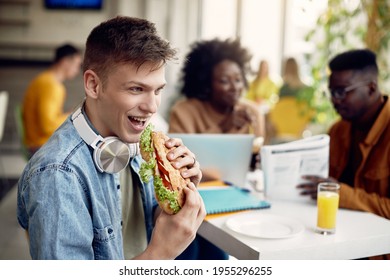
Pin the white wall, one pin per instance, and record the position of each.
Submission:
(219, 19)
(262, 31)
(301, 17)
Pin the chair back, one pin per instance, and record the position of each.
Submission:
(3, 111)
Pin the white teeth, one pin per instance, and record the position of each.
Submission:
(139, 119)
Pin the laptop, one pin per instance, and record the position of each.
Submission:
(229, 154)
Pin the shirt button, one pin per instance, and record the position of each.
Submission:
(118, 187)
(110, 230)
(121, 223)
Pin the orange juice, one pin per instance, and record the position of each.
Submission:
(327, 204)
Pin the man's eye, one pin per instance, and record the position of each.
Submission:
(135, 89)
(338, 90)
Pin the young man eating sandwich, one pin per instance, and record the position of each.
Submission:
(69, 195)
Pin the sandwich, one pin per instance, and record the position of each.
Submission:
(168, 183)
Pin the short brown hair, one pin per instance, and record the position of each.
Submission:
(125, 40)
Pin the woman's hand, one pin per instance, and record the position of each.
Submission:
(236, 120)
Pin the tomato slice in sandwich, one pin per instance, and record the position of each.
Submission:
(164, 174)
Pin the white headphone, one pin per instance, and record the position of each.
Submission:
(110, 155)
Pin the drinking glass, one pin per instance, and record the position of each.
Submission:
(327, 206)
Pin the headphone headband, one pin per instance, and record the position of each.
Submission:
(85, 131)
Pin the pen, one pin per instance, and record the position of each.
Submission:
(235, 186)
(227, 183)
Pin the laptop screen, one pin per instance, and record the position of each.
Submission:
(229, 154)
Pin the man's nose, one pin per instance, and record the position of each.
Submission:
(150, 103)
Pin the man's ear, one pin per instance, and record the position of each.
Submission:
(92, 84)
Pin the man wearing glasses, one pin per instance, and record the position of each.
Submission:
(360, 141)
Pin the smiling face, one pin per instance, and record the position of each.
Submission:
(123, 106)
(227, 85)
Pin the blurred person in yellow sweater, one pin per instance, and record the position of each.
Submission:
(42, 108)
(263, 89)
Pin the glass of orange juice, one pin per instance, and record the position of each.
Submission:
(327, 206)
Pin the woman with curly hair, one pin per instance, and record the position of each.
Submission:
(213, 81)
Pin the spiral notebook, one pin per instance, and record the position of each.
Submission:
(229, 199)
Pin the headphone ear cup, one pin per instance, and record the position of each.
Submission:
(112, 155)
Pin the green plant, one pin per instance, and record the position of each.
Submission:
(346, 25)
(318, 105)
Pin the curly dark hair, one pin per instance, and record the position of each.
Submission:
(204, 56)
(125, 40)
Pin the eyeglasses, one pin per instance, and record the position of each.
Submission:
(341, 93)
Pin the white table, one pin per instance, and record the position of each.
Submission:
(358, 235)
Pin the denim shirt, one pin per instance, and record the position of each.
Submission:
(70, 209)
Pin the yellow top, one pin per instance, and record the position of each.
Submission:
(43, 109)
(290, 117)
(262, 90)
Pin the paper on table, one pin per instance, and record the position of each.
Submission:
(284, 165)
